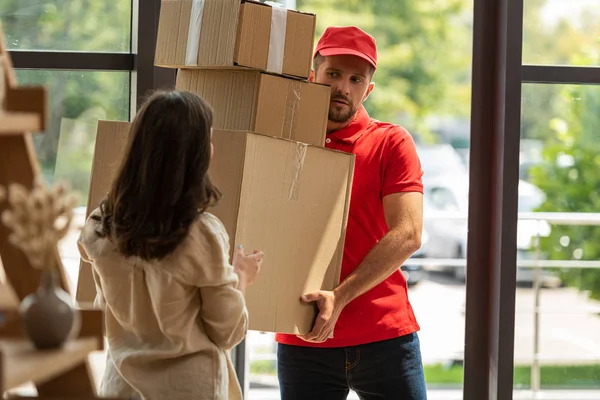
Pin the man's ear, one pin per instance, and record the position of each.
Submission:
(369, 90)
(311, 77)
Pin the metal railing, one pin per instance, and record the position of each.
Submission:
(537, 264)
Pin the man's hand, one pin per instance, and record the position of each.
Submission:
(330, 307)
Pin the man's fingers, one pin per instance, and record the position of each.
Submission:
(316, 332)
(308, 298)
(326, 334)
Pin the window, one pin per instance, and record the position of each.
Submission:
(423, 83)
(67, 25)
(557, 316)
(83, 51)
(77, 100)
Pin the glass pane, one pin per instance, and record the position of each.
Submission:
(76, 101)
(67, 25)
(560, 32)
(423, 86)
(558, 301)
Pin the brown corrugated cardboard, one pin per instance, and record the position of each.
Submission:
(290, 200)
(263, 103)
(228, 33)
(111, 142)
(286, 198)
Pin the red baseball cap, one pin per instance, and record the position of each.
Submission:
(347, 40)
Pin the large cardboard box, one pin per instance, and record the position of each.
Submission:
(286, 198)
(259, 102)
(290, 200)
(228, 33)
(111, 142)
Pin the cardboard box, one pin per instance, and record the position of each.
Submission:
(111, 142)
(290, 200)
(286, 198)
(227, 33)
(259, 102)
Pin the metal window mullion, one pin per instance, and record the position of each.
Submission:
(560, 74)
(146, 76)
(491, 251)
(57, 60)
(133, 49)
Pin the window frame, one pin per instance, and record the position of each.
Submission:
(497, 76)
(144, 78)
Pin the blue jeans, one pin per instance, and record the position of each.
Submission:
(391, 370)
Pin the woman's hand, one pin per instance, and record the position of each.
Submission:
(247, 266)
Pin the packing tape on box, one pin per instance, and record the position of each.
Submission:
(298, 166)
(292, 103)
(277, 37)
(193, 42)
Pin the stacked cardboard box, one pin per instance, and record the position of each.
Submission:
(250, 61)
(283, 192)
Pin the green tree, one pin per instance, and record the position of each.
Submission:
(569, 41)
(424, 54)
(71, 25)
(566, 119)
(573, 186)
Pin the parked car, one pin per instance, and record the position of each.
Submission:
(445, 219)
(441, 159)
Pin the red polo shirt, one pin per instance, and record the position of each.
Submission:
(386, 163)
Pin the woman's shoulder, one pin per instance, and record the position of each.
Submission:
(209, 231)
(211, 221)
(204, 252)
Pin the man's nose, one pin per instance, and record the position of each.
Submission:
(343, 87)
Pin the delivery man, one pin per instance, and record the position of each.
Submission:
(364, 337)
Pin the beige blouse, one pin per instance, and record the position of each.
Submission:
(169, 324)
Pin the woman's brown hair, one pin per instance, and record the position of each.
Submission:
(163, 183)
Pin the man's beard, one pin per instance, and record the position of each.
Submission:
(341, 116)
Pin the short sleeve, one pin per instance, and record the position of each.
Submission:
(402, 170)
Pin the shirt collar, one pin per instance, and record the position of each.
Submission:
(355, 129)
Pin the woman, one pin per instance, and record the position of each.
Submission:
(173, 303)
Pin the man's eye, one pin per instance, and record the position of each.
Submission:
(357, 80)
